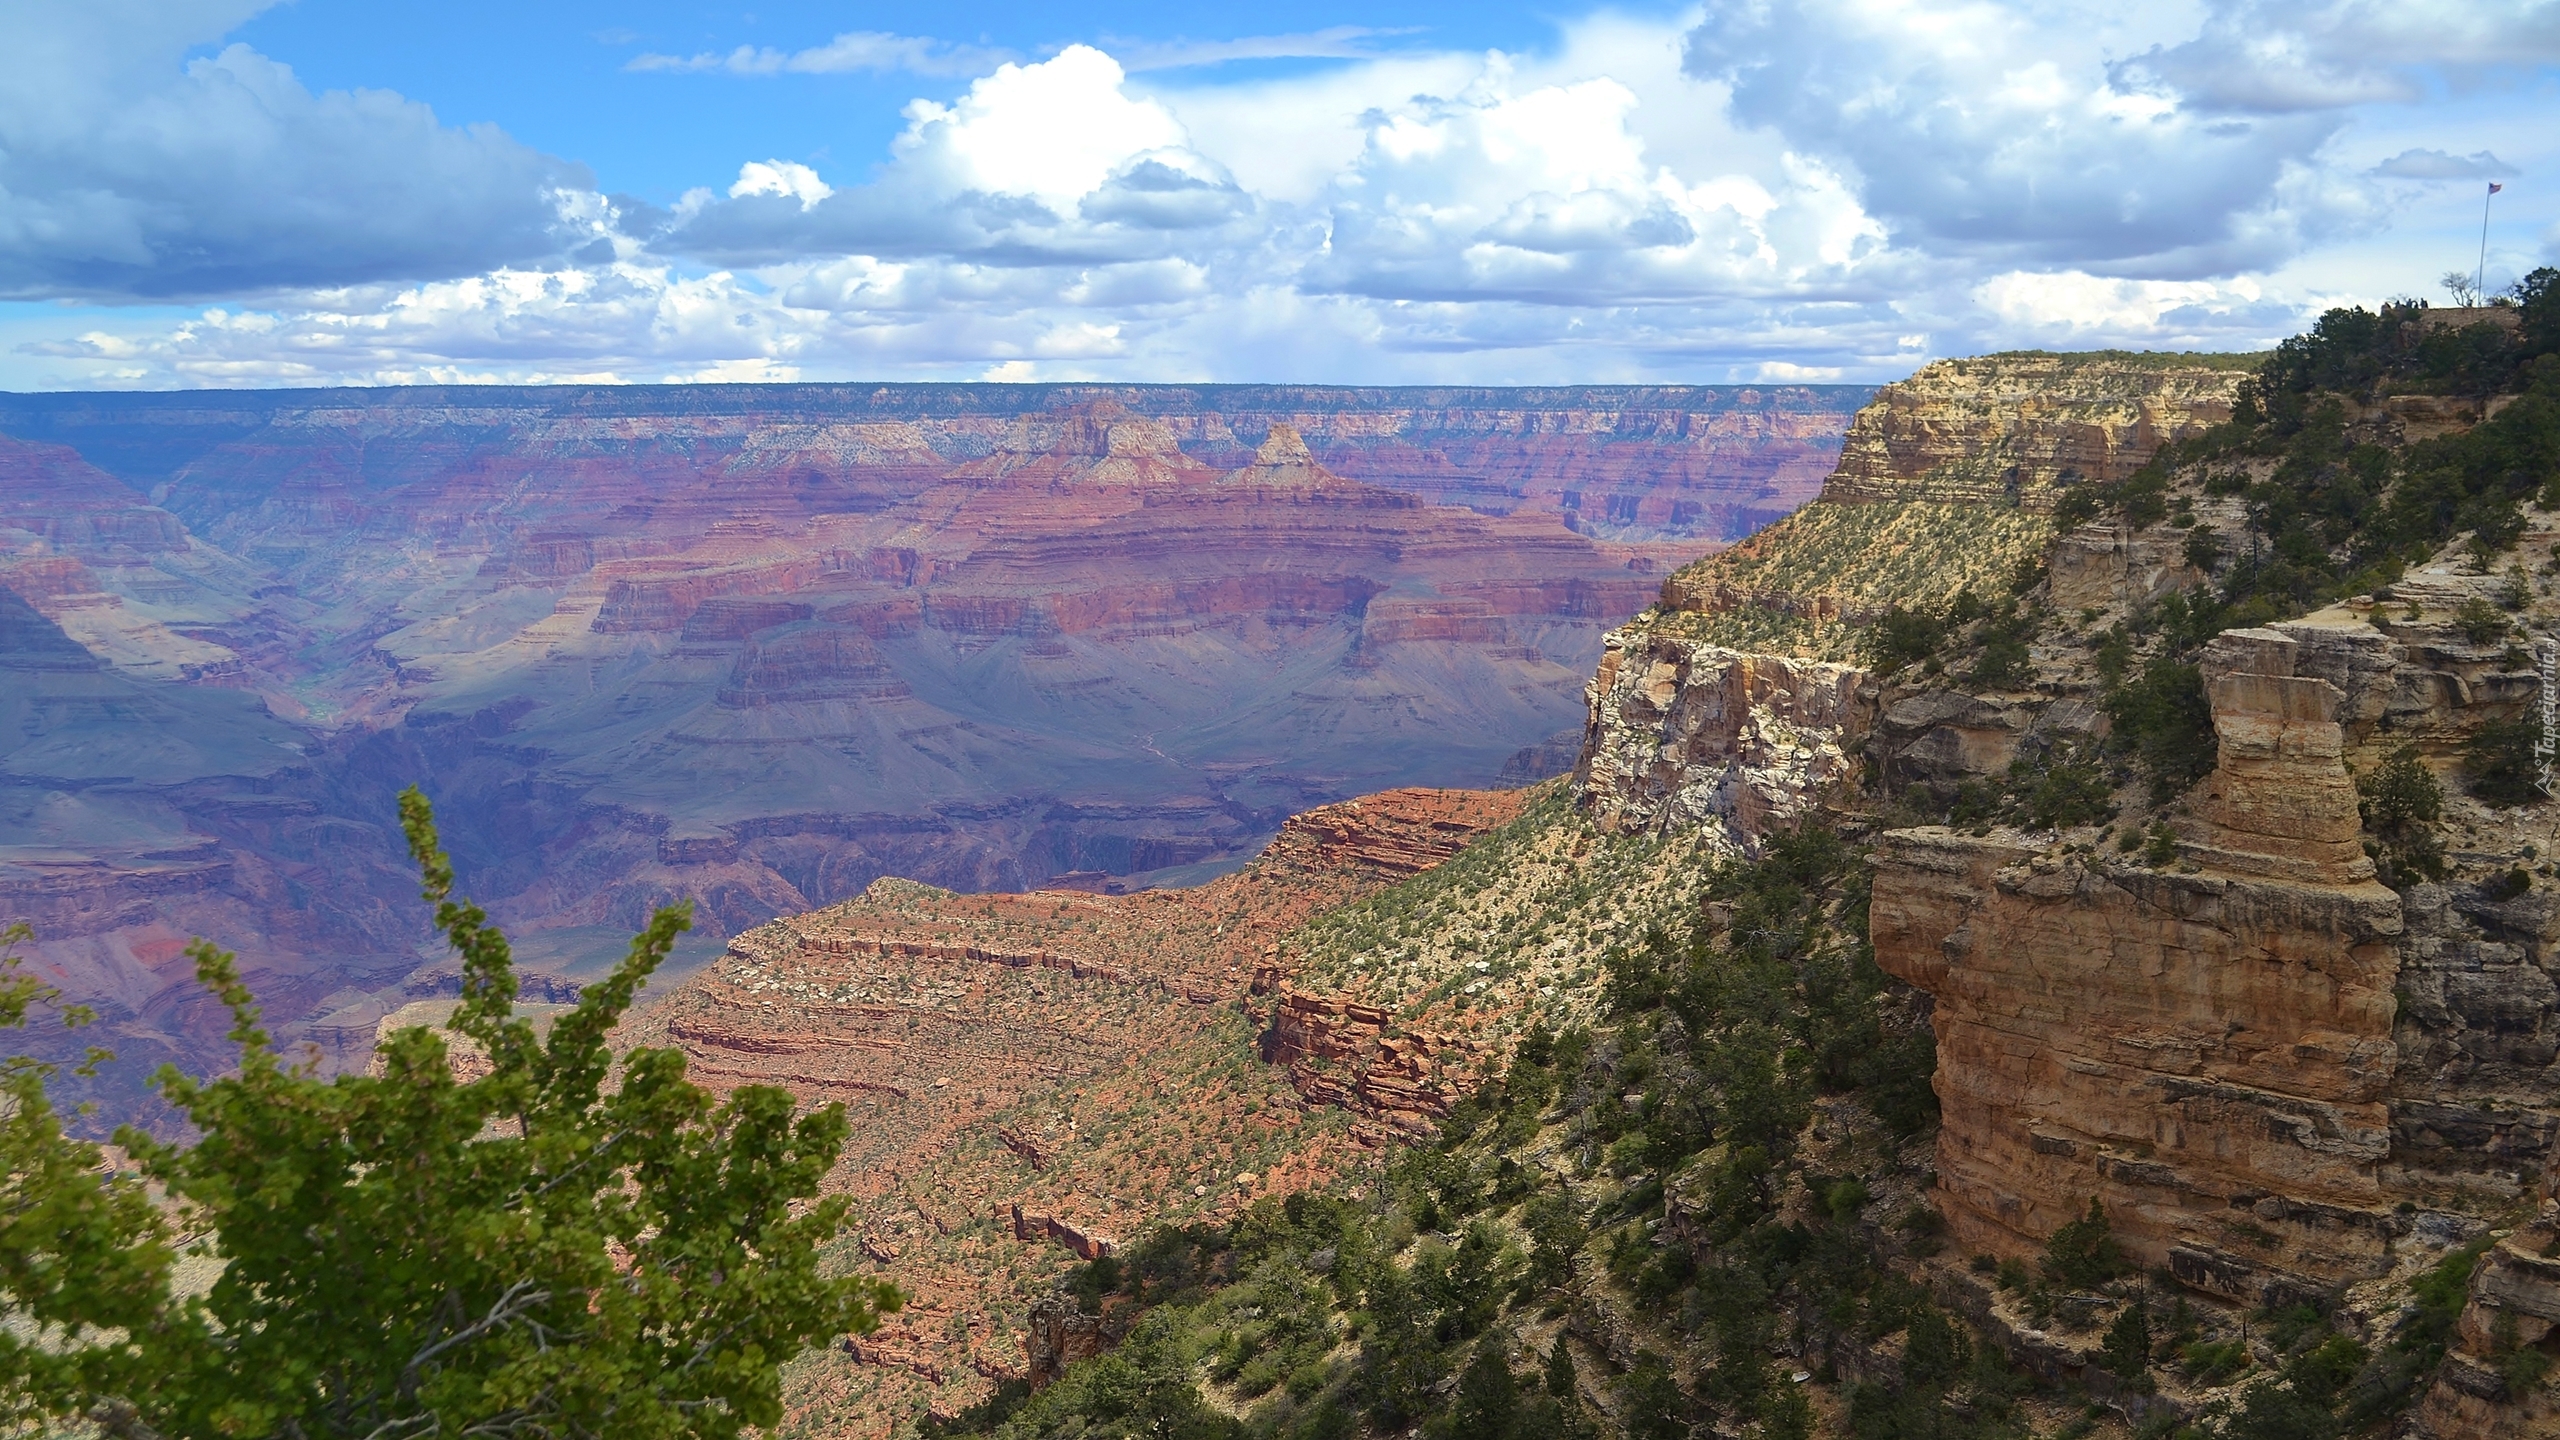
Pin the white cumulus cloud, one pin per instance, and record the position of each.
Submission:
(1053, 131)
(780, 177)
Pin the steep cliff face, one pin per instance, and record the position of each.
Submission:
(2019, 428)
(2178, 988)
(1946, 484)
(2207, 1051)
(1735, 700)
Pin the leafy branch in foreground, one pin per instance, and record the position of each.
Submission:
(84, 1258)
(528, 1253)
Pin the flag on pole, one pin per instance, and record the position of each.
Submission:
(2481, 273)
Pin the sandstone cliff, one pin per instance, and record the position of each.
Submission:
(2206, 1051)
(1946, 483)
(2019, 428)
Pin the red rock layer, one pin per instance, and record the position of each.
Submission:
(1348, 1055)
(1047, 1060)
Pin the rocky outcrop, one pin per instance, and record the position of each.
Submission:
(1395, 833)
(2019, 428)
(2100, 566)
(1283, 459)
(2279, 802)
(1096, 443)
(1058, 1334)
(1353, 1056)
(1946, 486)
(2504, 1344)
(1083, 1244)
(2207, 1051)
(1683, 734)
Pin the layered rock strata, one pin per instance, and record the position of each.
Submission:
(1036, 1077)
(2208, 1053)
(1627, 462)
(2503, 1344)
(1343, 1053)
(2276, 1075)
(1945, 485)
(2019, 428)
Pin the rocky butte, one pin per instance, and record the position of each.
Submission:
(765, 645)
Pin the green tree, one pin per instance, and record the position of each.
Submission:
(2164, 719)
(1654, 1406)
(84, 1258)
(1561, 1381)
(1903, 637)
(2083, 1253)
(2401, 801)
(2128, 1343)
(2067, 786)
(1487, 1399)
(530, 1253)
(2498, 763)
(2481, 622)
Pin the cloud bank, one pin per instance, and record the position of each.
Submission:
(127, 170)
(1783, 189)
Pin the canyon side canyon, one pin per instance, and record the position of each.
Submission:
(762, 645)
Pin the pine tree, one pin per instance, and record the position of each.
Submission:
(2128, 1344)
(1561, 1380)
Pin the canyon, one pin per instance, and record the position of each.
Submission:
(2293, 1075)
(761, 646)
(1042, 1077)
(2186, 895)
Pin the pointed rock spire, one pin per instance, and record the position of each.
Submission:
(1284, 459)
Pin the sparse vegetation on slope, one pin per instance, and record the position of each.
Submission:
(1518, 926)
(2333, 500)
(1695, 1200)
(1811, 583)
(1669, 1216)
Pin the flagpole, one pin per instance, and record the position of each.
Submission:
(2481, 274)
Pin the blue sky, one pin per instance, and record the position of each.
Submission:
(564, 83)
(233, 192)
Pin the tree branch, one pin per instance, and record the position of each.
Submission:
(118, 1417)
